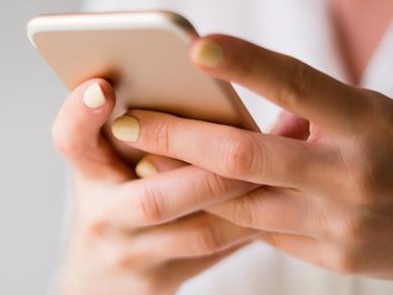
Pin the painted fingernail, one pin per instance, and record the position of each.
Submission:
(145, 168)
(208, 53)
(94, 96)
(126, 128)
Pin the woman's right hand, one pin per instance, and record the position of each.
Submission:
(135, 236)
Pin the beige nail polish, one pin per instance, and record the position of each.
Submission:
(126, 128)
(94, 96)
(208, 54)
(145, 168)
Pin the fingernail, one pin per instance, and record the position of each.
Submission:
(145, 168)
(208, 53)
(126, 128)
(94, 96)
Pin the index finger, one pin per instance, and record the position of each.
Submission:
(77, 132)
(228, 151)
(169, 195)
(283, 80)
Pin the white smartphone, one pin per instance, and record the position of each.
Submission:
(145, 55)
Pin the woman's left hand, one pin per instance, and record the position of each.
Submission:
(326, 199)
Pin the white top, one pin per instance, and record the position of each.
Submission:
(302, 29)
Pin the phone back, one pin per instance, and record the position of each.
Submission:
(145, 55)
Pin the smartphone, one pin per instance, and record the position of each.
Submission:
(145, 55)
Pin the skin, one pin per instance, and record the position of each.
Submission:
(334, 184)
(113, 246)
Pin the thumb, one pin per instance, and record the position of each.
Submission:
(77, 132)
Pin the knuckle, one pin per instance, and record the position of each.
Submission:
(65, 142)
(151, 205)
(353, 233)
(117, 255)
(346, 262)
(206, 240)
(296, 84)
(367, 167)
(60, 141)
(112, 254)
(243, 212)
(147, 281)
(286, 167)
(366, 183)
(363, 175)
(97, 227)
(350, 230)
(237, 155)
(243, 69)
(152, 285)
(119, 260)
(162, 136)
(216, 185)
(373, 109)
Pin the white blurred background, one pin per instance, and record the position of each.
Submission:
(31, 171)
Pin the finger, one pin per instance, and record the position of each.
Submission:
(314, 251)
(229, 151)
(290, 125)
(302, 247)
(182, 270)
(196, 236)
(150, 165)
(156, 277)
(285, 81)
(167, 196)
(77, 131)
(264, 208)
(166, 278)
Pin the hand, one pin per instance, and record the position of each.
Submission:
(135, 236)
(327, 192)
